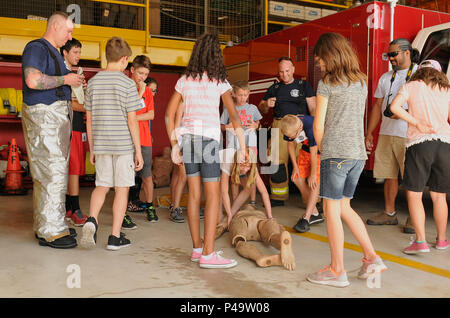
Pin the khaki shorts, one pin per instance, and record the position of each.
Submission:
(114, 170)
(389, 157)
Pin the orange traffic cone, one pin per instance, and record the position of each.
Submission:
(13, 178)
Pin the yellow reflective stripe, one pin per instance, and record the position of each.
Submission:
(280, 190)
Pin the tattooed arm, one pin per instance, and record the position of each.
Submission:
(35, 79)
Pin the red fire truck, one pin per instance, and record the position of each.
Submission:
(369, 27)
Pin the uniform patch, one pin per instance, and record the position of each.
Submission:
(301, 138)
(295, 93)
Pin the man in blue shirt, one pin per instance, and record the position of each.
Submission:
(47, 128)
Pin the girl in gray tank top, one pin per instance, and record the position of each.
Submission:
(339, 134)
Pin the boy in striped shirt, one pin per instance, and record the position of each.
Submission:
(111, 103)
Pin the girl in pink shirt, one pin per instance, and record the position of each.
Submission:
(428, 149)
(199, 90)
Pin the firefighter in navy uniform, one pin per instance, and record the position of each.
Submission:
(289, 96)
(47, 126)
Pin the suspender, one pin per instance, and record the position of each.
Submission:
(299, 81)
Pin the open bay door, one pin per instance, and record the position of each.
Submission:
(434, 44)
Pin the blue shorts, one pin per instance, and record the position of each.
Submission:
(339, 177)
(201, 157)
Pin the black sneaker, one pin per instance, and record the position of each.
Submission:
(302, 226)
(63, 242)
(127, 223)
(151, 214)
(275, 203)
(202, 213)
(316, 219)
(319, 207)
(116, 243)
(176, 215)
(89, 233)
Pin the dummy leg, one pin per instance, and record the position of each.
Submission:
(272, 233)
(250, 251)
(221, 227)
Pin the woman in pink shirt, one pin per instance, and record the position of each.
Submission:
(427, 149)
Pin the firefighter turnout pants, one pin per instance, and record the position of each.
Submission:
(47, 131)
(279, 181)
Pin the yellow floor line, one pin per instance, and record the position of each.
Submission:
(384, 256)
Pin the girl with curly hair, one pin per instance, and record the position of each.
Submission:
(199, 91)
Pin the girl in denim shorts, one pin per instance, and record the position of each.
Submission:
(339, 133)
(199, 90)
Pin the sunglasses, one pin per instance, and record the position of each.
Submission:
(386, 56)
(287, 138)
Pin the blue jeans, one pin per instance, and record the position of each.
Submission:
(201, 157)
(339, 177)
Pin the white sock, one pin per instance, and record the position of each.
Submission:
(315, 214)
(391, 214)
(208, 256)
(198, 250)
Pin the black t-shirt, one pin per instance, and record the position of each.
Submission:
(78, 119)
(78, 122)
(291, 98)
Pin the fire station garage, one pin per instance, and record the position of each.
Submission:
(53, 247)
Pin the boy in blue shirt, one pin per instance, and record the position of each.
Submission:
(305, 166)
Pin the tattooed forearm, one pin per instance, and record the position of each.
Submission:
(35, 79)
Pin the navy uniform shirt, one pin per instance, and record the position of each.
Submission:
(36, 55)
(291, 98)
(306, 137)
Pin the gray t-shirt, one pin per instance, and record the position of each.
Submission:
(247, 113)
(110, 96)
(344, 121)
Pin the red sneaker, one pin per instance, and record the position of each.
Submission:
(68, 215)
(77, 218)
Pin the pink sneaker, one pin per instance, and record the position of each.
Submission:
(195, 257)
(442, 245)
(217, 261)
(416, 248)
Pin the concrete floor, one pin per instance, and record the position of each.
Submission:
(157, 264)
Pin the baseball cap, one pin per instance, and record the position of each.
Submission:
(431, 63)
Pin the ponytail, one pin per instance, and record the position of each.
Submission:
(415, 56)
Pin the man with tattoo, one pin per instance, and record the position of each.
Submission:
(46, 121)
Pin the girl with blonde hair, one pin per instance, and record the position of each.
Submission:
(247, 175)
